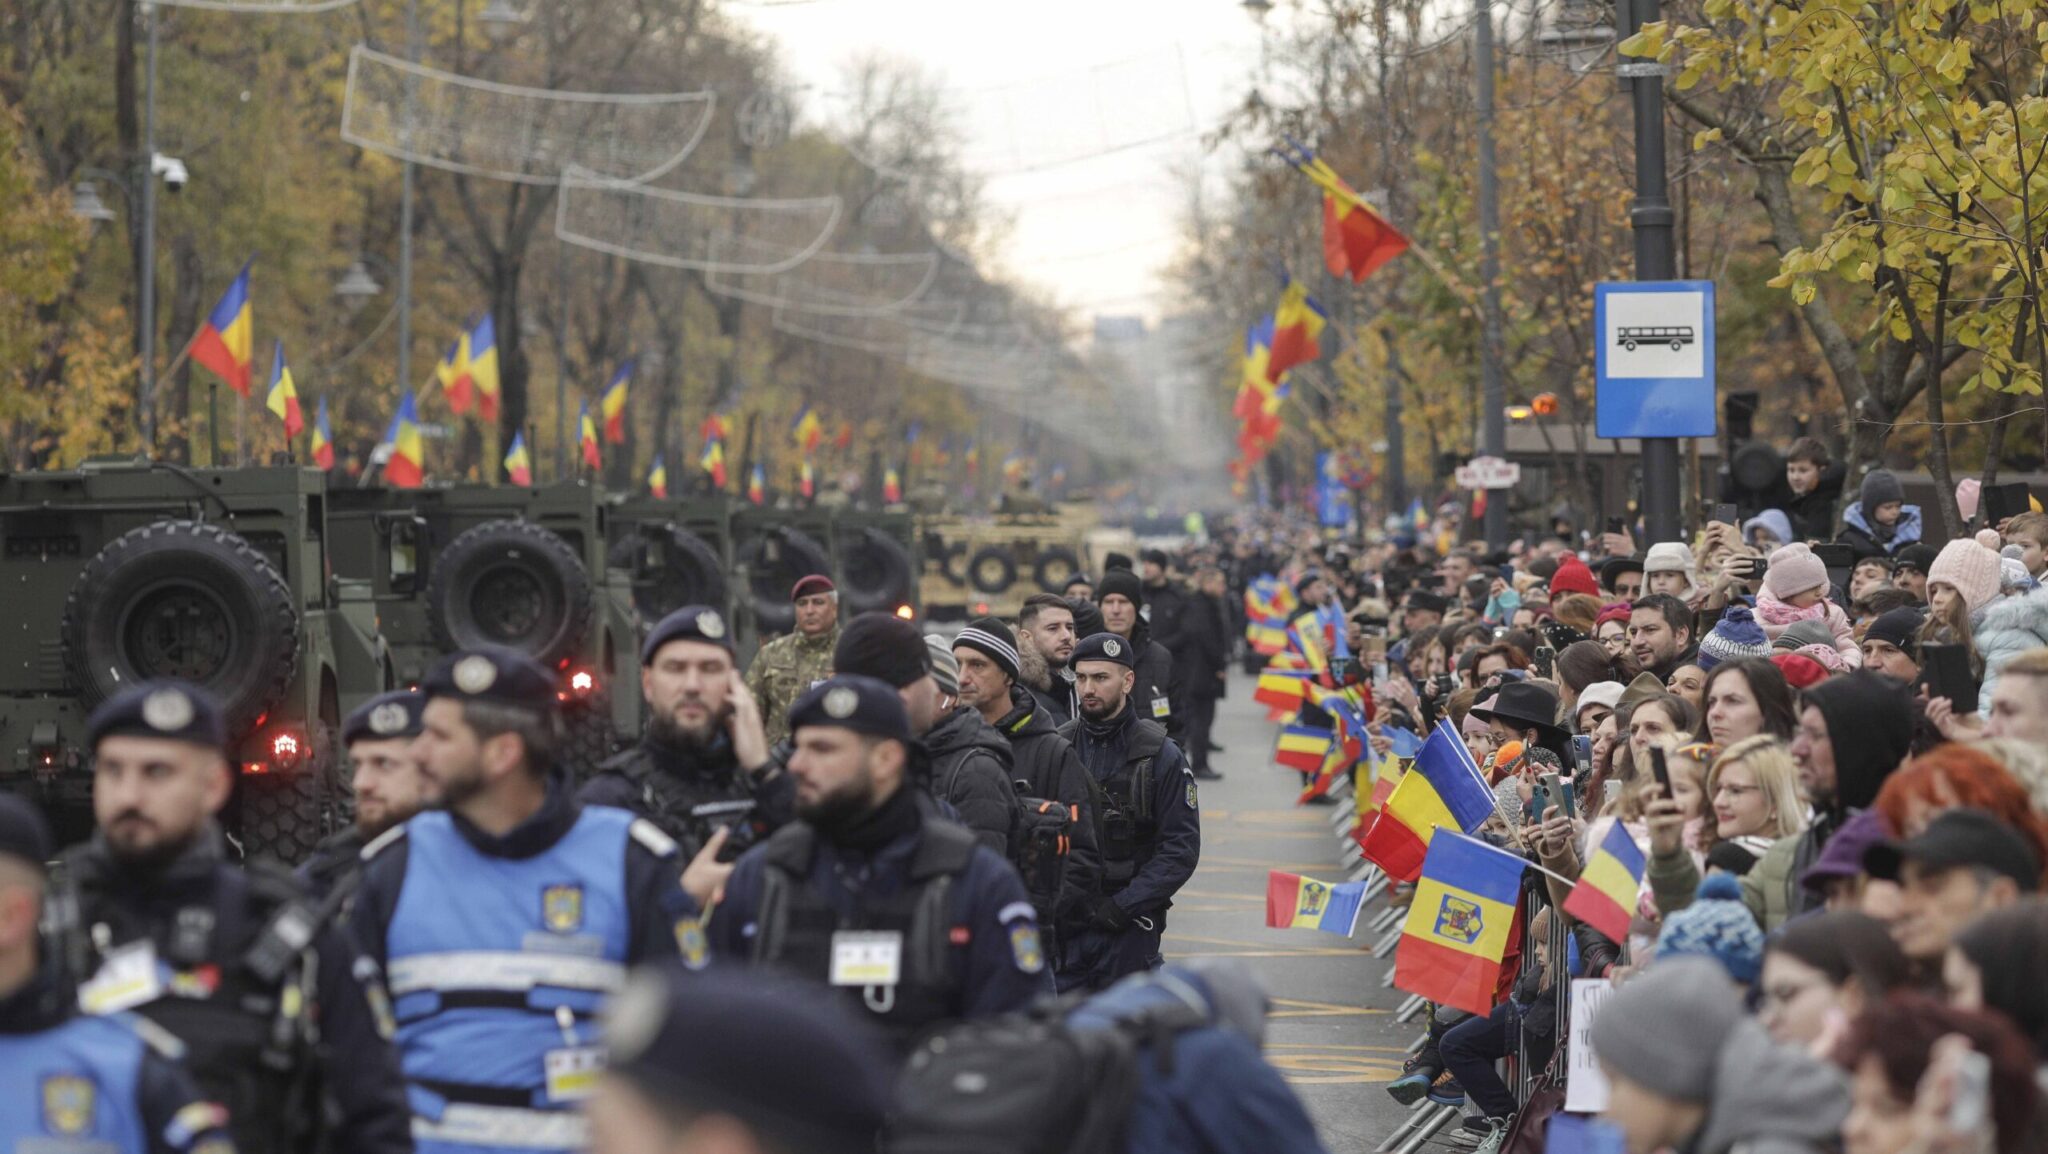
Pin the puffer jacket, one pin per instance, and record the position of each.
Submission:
(2005, 629)
(970, 766)
(1865, 539)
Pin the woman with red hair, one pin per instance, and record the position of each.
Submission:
(1959, 777)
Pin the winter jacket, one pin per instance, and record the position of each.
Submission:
(1205, 645)
(970, 768)
(1052, 688)
(1152, 691)
(1774, 616)
(1867, 540)
(1770, 1099)
(1047, 768)
(1166, 606)
(2005, 629)
(1813, 514)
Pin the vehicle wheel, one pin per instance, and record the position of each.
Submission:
(951, 558)
(1677, 346)
(587, 738)
(776, 560)
(514, 584)
(1055, 567)
(285, 816)
(185, 600)
(1629, 345)
(877, 573)
(990, 570)
(671, 567)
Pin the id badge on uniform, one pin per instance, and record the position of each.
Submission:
(572, 1072)
(866, 959)
(127, 978)
(1161, 707)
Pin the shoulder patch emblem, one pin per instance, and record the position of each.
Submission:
(1025, 948)
(650, 836)
(167, 710)
(561, 908)
(1191, 796)
(68, 1102)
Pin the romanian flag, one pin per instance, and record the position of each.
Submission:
(807, 430)
(1294, 902)
(1443, 791)
(284, 396)
(757, 486)
(657, 478)
(1605, 897)
(713, 462)
(972, 456)
(457, 383)
(892, 486)
(323, 438)
(483, 365)
(806, 480)
(1265, 638)
(1371, 801)
(843, 439)
(714, 428)
(1297, 323)
(1280, 689)
(226, 342)
(406, 467)
(1459, 923)
(1303, 747)
(586, 436)
(1356, 240)
(518, 464)
(613, 404)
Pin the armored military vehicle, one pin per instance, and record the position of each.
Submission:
(878, 561)
(775, 547)
(674, 552)
(981, 565)
(126, 570)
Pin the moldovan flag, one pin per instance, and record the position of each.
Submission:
(406, 467)
(1443, 791)
(657, 478)
(518, 464)
(323, 438)
(284, 397)
(1605, 897)
(587, 436)
(1459, 923)
(613, 405)
(227, 342)
(1294, 902)
(1281, 689)
(483, 365)
(757, 485)
(457, 383)
(713, 462)
(1303, 747)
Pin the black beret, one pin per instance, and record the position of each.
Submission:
(168, 709)
(990, 636)
(782, 1056)
(23, 832)
(850, 701)
(884, 647)
(1307, 579)
(690, 623)
(1428, 602)
(384, 717)
(496, 675)
(1104, 647)
(1121, 582)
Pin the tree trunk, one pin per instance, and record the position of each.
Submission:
(188, 278)
(514, 370)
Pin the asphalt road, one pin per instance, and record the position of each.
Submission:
(1332, 1029)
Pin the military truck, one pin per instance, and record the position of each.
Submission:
(676, 552)
(454, 567)
(124, 570)
(989, 565)
(773, 548)
(878, 562)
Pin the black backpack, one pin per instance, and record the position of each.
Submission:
(1027, 1083)
(1041, 841)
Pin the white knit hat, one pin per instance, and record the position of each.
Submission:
(1672, 557)
(1971, 568)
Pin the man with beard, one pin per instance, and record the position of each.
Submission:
(1045, 636)
(1660, 634)
(1121, 596)
(704, 761)
(237, 964)
(794, 662)
(1151, 832)
(385, 779)
(870, 891)
(505, 918)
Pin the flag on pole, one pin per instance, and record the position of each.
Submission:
(284, 396)
(757, 485)
(657, 478)
(453, 371)
(713, 462)
(406, 467)
(892, 485)
(518, 464)
(227, 342)
(483, 365)
(587, 436)
(1605, 896)
(714, 428)
(1281, 689)
(1459, 923)
(806, 480)
(807, 430)
(1302, 747)
(1356, 239)
(1294, 902)
(323, 438)
(1444, 791)
(1297, 323)
(613, 404)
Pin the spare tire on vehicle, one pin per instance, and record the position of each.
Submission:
(671, 567)
(990, 570)
(876, 572)
(511, 583)
(1055, 567)
(185, 600)
(776, 561)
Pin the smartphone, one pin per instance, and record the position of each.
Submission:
(1568, 804)
(1582, 754)
(1970, 1111)
(1660, 770)
(1726, 515)
(1542, 664)
(1610, 790)
(1751, 569)
(1945, 671)
(1840, 561)
(1617, 525)
(2002, 501)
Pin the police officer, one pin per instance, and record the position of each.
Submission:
(704, 763)
(74, 1082)
(1121, 597)
(266, 993)
(504, 919)
(870, 891)
(1151, 833)
(385, 779)
(792, 663)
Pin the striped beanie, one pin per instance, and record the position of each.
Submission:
(990, 636)
(1736, 635)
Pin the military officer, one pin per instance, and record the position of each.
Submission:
(791, 664)
(869, 891)
(385, 779)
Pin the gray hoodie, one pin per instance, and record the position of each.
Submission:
(1771, 1099)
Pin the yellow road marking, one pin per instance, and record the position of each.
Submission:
(1289, 1008)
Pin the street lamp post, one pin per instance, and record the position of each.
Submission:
(1493, 389)
(1651, 218)
(145, 382)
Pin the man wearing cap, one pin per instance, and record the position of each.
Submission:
(269, 997)
(1891, 643)
(794, 662)
(703, 761)
(505, 918)
(73, 1081)
(1121, 596)
(1910, 567)
(1151, 832)
(1422, 609)
(870, 891)
(1964, 864)
(386, 781)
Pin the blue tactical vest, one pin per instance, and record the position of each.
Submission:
(73, 1087)
(483, 956)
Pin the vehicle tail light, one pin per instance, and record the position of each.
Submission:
(905, 612)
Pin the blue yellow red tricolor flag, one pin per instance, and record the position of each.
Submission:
(227, 341)
(1294, 902)
(892, 485)
(1281, 689)
(1605, 896)
(806, 479)
(518, 464)
(483, 365)
(1297, 325)
(657, 478)
(452, 370)
(1356, 239)
(1444, 791)
(807, 430)
(1302, 747)
(713, 462)
(406, 467)
(1459, 923)
(613, 404)
(586, 436)
(323, 438)
(284, 396)
(757, 484)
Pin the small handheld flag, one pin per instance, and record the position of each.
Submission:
(284, 397)
(1443, 792)
(483, 365)
(406, 467)
(226, 342)
(613, 404)
(757, 484)
(713, 462)
(1302, 747)
(806, 480)
(518, 464)
(1299, 903)
(1605, 896)
(323, 438)
(1458, 923)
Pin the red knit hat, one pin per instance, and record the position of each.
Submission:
(1800, 670)
(1572, 576)
(1618, 611)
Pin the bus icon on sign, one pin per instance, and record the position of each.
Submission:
(1677, 336)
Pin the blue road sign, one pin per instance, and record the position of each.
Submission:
(1653, 358)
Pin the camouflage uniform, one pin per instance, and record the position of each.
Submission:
(783, 669)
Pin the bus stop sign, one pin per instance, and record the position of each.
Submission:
(1653, 358)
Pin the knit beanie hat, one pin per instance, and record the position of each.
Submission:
(2012, 574)
(1897, 627)
(1572, 576)
(1971, 568)
(945, 667)
(1793, 570)
(1829, 656)
(1879, 487)
(1618, 611)
(1988, 538)
(1688, 998)
(1716, 925)
(994, 639)
(1801, 671)
(1672, 557)
(1736, 635)
(1812, 631)
(882, 646)
(1123, 583)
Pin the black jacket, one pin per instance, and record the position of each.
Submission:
(1167, 606)
(689, 792)
(1205, 646)
(1813, 514)
(1048, 768)
(1152, 694)
(970, 770)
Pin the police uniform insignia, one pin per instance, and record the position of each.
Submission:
(561, 908)
(387, 719)
(1111, 648)
(68, 1101)
(474, 674)
(841, 702)
(1025, 948)
(1459, 920)
(710, 624)
(1191, 796)
(167, 710)
(692, 944)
